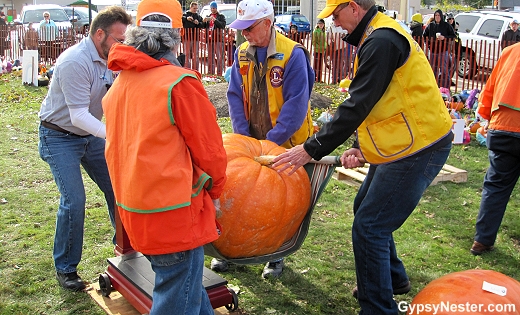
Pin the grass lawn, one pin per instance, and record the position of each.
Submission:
(318, 278)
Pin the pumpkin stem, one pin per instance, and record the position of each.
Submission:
(265, 160)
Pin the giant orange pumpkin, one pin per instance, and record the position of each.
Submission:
(463, 289)
(261, 208)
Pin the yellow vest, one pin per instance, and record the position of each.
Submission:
(275, 70)
(411, 115)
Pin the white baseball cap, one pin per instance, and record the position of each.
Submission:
(250, 11)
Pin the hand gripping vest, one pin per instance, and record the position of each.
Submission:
(275, 69)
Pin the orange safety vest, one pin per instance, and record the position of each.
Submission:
(499, 102)
(161, 195)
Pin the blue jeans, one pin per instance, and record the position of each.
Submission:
(500, 179)
(441, 68)
(65, 154)
(388, 195)
(178, 284)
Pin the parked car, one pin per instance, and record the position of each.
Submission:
(79, 18)
(404, 26)
(284, 21)
(481, 32)
(34, 14)
(228, 10)
(131, 9)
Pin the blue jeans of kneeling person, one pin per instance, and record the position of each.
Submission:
(388, 195)
(499, 182)
(65, 155)
(178, 284)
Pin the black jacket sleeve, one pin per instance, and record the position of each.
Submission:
(380, 55)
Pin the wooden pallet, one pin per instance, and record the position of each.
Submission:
(355, 176)
(116, 304)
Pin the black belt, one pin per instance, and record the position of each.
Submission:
(52, 126)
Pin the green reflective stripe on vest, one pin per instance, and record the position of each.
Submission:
(172, 119)
(201, 182)
(175, 207)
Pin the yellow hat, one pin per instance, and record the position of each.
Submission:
(330, 6)
(169, 8)
(417, 17)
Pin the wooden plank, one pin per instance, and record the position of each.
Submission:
(355, 176)
(116, 304)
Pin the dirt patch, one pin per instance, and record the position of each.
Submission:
(217, 96)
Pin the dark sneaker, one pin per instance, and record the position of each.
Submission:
(397, 291)
(479, 248)
(70, 281)
(273, 269)
(219, 265)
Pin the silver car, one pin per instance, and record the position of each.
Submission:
(79, 18)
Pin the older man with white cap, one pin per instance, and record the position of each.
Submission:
(403, 130)
(165, 156)
(512, 35)
(269, 89)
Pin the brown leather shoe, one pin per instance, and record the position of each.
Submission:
(479, 248)
(397, 291)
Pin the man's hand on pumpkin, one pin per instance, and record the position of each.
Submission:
(293, 158)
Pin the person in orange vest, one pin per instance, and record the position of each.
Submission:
(165, 156)
(499, 103)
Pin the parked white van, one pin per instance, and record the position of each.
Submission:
(34, 14)
(481, 32)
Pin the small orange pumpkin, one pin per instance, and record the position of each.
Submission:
(455, 105)
(261, 208)
(473, 127)
(463, 288)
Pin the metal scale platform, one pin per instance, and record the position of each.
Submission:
(131, 274)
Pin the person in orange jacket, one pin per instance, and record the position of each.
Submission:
(499, 103)
(165, 156)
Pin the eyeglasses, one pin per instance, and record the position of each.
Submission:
(117, 40)
(335, 16)
(249, 29)
(450, 19)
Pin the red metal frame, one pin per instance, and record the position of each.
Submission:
(219, 296)
(133, 295)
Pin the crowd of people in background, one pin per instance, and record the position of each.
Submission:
(326, 43)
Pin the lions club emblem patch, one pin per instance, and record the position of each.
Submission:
(276, 76)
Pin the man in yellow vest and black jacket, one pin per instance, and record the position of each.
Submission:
(269, 89)
(403, 131)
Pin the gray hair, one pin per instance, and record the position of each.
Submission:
(150, 39)
(365, 4)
